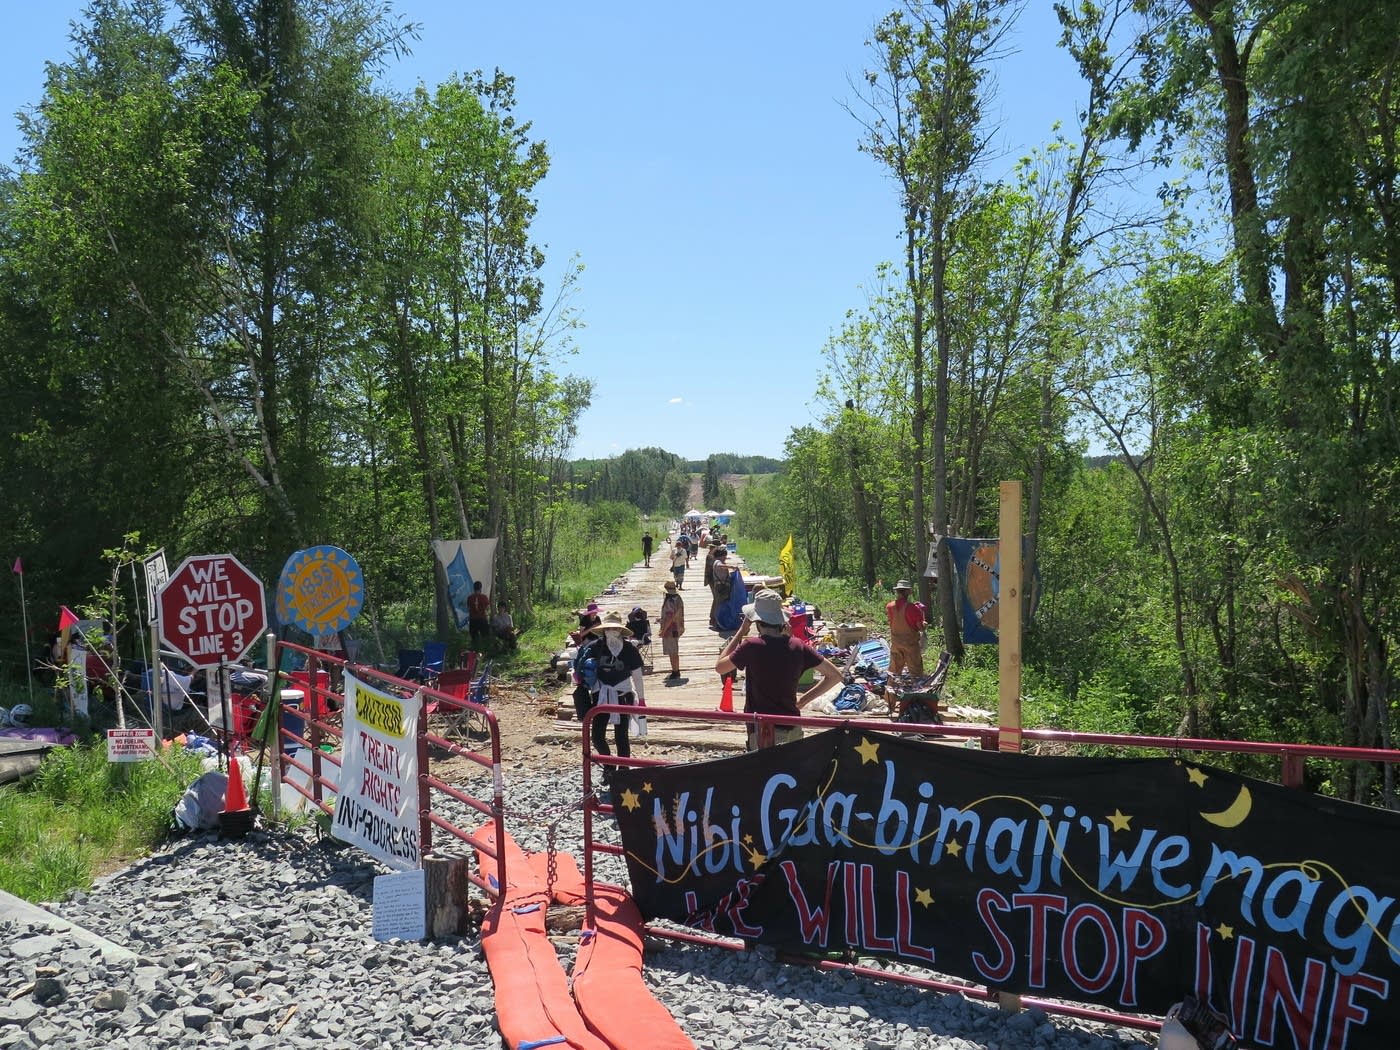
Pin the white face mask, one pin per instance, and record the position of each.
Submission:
(614, 640)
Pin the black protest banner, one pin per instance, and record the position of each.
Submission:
(1128, 883)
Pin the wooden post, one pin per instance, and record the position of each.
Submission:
(1009, 644)
(274, 698)
(1009, 618)
(157, 687)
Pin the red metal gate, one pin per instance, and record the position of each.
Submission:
(319, 682)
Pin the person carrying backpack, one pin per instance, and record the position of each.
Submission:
(608, 670)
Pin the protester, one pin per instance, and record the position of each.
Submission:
(721, 580)
(906, 621)
(503, 628)
(478, 617)
(647, 541)
(772, 663)
(588, 618)
(679, 560)
(672, 627)
(609, 672)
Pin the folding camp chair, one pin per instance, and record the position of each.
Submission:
(640, 628)
(915, 699)
(409, 659)
(429, 668)
(454, 720)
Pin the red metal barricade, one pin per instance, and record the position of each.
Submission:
(320, 723)
(1292, 758)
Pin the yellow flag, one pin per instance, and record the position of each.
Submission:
(788, 567)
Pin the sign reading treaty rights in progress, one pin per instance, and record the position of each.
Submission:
(377, 808)
(1128, 883)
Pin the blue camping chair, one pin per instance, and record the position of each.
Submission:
(481, 690)
(434, 656)
(409, 659)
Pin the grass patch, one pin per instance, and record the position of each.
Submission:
(80, 815)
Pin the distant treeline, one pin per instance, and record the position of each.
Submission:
(656, 480)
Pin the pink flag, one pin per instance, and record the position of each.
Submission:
(18, 569)
(66, 619)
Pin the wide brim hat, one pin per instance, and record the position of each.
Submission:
(669, 586)
(903, 585)
(611, 621)
(767, 607)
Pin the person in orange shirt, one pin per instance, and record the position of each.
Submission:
(907, 627)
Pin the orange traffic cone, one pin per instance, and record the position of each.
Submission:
(726, 698)
(237, 818)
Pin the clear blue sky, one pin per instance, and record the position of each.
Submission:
(703, 170)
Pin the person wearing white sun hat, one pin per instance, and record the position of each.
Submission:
(612, 674)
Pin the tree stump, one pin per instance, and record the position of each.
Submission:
(445, 890)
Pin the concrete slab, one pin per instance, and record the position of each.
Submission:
(17, 910)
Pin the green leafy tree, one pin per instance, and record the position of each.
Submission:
(924, 123)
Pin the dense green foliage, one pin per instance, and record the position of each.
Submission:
(250, 301)
(637, 476)
(1232, 571)
(733, 463)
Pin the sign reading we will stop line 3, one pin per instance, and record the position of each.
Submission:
(212, 609)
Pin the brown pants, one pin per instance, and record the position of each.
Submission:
(906, 654)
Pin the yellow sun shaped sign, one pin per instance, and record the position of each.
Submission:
(321, 589)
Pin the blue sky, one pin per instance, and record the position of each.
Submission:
(704, 172)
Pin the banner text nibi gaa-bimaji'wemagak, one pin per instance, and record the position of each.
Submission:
(1128, 883)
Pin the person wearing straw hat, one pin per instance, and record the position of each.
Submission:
(772, 663)
(611, 673)
(906, 620)
(672, 627)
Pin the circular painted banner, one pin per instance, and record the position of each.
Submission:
(321, 589)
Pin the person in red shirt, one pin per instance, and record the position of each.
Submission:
(479, 617)
(772, 664)
(906, 632)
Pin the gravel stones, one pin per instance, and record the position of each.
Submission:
(265, 942)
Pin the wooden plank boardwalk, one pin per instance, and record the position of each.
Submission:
(699, 687)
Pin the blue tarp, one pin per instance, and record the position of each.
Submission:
(729, 614)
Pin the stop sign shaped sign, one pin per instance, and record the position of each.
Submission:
(211, 610)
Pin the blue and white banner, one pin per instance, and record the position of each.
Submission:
(466, 562)
(977, 564)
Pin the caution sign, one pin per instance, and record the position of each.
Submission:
(377, 808)
(130, 745)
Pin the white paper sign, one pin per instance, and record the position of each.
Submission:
(401, 906)
(130, 745)
(377, 808)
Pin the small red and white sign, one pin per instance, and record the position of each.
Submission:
(130, 745)
(212, 610)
